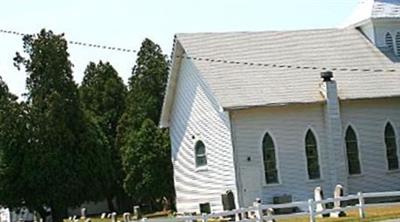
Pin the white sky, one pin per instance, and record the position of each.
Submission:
(125, 23)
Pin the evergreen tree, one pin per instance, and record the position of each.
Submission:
(137, 129)
(13, 141)
(146, 89)
(102, 94)
(67, 159)
(146, 160)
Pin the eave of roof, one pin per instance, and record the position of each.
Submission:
(177, 51)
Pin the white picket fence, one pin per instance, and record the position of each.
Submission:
(257, 213)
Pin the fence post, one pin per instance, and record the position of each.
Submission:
(204, 217)
(258, 212)
(311, 210)
(361, 205)
(243, 214)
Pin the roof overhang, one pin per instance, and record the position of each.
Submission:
(176, 57)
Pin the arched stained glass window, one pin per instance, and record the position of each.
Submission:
(269, 158)
(391, 147)
(312, 156)
(353, 159)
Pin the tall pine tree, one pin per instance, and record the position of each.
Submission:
(102, 94)
(143, 145)
(67, 159)
(13, 142)
(146, 89)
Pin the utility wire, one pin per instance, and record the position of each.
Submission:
(85, 44)
(286, 66)
(231, 62)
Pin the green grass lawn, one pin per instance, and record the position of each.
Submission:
(372, 214)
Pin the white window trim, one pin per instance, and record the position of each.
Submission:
(277, 165)
(197, 139)
(385, 148)
(321, 176)
(358, 148)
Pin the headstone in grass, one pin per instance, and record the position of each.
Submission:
(270, 213)
(83, 213)
(103, 216)
(88, 220)
(113, 217)
(126, 216)
(137, 214)
(337, 203)
(319, 196)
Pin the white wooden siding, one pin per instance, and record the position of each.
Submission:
(289, 125)
(369, 118)
(196, 113)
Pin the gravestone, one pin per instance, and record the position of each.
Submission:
(36, 217)
(282, 200)
(83, 213)
(270, 212)
(113, 217)
(103, 215)
(318, 196)
(337, 203)
(126, 216)
(137, 214)
(228, 201)
(205, 208)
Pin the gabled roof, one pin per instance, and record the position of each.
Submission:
(240, 86)
(374, 9)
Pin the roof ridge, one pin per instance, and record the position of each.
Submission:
(255, 32)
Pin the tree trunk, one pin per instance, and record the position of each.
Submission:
(57, 214)
(110, 203)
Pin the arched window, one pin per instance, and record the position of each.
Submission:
(312, 156)
(389, 41)
(200, 154)
(271, 172)
(353, 159)
(391, 147)
(398, 43)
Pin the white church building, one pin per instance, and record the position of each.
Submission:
(258, 113)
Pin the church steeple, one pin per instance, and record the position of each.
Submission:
(379, 20)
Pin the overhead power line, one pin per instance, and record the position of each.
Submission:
(84, 44)
(232, 62)
(287, 66)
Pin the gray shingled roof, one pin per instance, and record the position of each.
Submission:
(238, 85)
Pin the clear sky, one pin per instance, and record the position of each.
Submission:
(125, 23)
